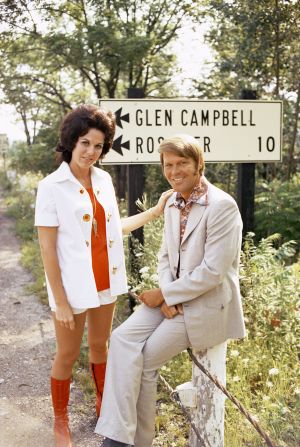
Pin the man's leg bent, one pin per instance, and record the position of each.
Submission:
(169, 339)
(123, 375)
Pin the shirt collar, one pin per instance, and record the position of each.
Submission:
(64, 173)
(198, 195)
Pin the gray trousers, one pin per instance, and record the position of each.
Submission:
(138, 348)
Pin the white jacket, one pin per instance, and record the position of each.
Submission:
(208, 283)
(64, 203)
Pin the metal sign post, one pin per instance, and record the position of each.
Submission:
(246, 183)
(136, 184)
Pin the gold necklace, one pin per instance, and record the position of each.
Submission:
(94, 221)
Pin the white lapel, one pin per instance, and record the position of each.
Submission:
(194, 219)
(197, 213)
(173, 227)
(64, 173)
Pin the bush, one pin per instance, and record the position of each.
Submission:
(35, 158)
(262, 369)
(278, 209)
(20, 202)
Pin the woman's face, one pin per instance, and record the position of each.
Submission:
(88, 149)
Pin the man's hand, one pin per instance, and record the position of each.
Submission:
(152, 298)
(168, 311)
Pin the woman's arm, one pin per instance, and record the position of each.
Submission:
(138, 220)
(47, 240)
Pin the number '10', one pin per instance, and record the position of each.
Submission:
(268, 144)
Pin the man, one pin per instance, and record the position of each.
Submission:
(197, 303)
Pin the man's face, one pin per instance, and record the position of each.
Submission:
(182, 173)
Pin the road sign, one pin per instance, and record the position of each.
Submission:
(228, 131)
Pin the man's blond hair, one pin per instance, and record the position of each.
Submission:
(183, 146)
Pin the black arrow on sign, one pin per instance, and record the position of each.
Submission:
(117, 145)
(119, 118)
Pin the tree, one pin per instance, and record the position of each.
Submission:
(256, 47)
(56, 55)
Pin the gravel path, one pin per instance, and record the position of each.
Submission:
(26, 348)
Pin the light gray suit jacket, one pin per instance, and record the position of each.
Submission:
(208, 283)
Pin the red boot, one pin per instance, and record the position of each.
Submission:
(60, 390)
(98, 374)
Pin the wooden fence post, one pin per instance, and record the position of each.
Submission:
(208, 416)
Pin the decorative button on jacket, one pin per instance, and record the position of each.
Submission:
(58, 204)
(86, 218)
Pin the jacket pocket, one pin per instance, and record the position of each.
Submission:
(219, 297)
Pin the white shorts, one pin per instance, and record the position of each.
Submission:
(104, 296)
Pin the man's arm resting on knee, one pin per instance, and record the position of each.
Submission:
(153, 297)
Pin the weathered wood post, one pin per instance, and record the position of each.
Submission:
(208, 415)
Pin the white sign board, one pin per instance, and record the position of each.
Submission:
(228, 131)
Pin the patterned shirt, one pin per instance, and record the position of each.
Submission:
(186, 206)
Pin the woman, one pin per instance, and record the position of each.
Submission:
(79, 231)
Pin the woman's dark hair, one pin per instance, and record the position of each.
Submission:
(78, 122)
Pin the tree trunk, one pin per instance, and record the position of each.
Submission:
(121, 181)
(277, 49)
(294, 136)
(209, 414)
(26, 129)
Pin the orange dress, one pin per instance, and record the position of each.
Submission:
(99, 246)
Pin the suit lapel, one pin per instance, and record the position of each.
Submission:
(174, 230)
(194, 219)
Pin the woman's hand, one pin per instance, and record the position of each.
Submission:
(158, 209)
(138, 220)
(64, 316)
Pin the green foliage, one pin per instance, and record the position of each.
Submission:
(4, 182)
(256, 47)
(155, 182)
(262, 369)
(21, 204)
(32, 261)
(20, 201)
(147, 255)
(83, 51)
(278, 209)
(35, 158)
(253, 42)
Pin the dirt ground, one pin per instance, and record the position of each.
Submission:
(26, 348)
